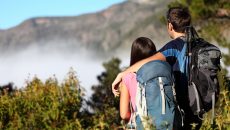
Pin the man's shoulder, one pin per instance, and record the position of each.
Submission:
(174, 44)
(176, 41)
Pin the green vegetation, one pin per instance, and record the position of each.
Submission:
(203, 9)
(42, 105)
(49, 105)
(102, 101)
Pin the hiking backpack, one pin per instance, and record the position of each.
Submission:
(204, 63)
(155, 104)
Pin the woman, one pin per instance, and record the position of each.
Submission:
(141, 48)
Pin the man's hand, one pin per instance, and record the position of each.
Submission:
(115, 84)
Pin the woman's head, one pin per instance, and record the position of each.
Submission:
(142, 48)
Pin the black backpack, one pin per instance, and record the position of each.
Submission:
(204, 63)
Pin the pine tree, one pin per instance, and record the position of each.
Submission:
(102, 101)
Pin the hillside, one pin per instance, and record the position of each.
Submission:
(105, 31)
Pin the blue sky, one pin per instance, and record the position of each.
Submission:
(13, 12)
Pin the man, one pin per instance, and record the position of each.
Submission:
(174, 52)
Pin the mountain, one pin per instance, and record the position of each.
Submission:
(105, 31)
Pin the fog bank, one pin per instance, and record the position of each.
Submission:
(18, 68)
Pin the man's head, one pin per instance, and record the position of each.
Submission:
(177, 19)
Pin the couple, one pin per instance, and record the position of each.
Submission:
(174, 52)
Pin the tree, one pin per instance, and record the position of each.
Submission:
(102, 101)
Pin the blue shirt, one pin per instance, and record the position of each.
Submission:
(175, 54)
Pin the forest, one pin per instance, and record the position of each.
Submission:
(61, 105)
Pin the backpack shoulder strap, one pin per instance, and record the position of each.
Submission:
(181, 111)
(132, 121)
(141, 101)
(141, 105)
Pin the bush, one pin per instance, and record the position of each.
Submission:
(43, 105)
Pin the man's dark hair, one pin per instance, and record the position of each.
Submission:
(179, 17)
(142, 48)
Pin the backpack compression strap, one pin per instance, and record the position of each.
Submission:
(162, 95)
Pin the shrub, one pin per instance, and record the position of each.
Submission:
(43, 105)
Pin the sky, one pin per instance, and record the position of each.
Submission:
(14, 12)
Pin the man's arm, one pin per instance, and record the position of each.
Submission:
(134, 68)
(137, 66)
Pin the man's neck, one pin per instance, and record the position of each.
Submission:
(176, 35)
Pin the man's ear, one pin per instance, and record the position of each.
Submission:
(170, 26)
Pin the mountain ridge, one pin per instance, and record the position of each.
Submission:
(105, 32)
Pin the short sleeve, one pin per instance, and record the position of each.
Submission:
(131, 83)
(169, 50)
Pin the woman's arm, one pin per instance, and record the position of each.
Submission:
(134, 68)
(124, 102)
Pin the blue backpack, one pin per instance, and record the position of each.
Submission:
(155, 95)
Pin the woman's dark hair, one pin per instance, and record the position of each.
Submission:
(179, 17)
(142, 48)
